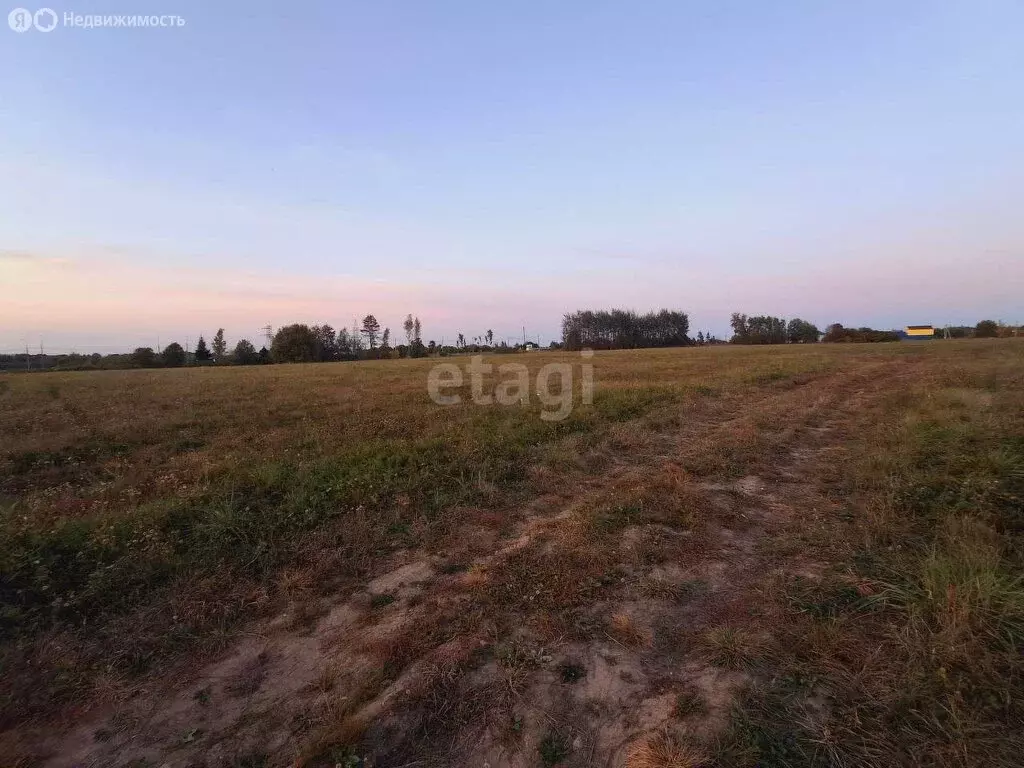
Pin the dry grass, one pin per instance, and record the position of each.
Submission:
(731, 648)
(665, 750)
(628, 631)
(146, 515)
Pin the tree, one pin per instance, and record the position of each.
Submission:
(759, 329)
(418, 350)
(625, 329)
(408, 326)
(802, 332)
(264, 355)
(489, 336)
(461, 341)
(986, 329)
(245, 353)
(144, 357)
(385, 340)
(837, 333)
(355, 341)
(220, 347)
(173, 355)
(294, 344)
(326, 343)
(700, 337)
(346, 345)
(202, 351)
(371, 330)
(740, 333)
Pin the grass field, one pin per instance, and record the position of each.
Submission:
(736, 556)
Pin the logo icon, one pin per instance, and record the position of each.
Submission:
(45, 19)
(20, 20)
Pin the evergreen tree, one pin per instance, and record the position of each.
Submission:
(245, 353)
(371, 330)
(202, 351)
(220, 347)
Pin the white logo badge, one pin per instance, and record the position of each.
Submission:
(45, 19)
(20, 20)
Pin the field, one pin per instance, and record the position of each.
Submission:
(736, 556)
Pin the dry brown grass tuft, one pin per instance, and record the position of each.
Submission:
(666, 496)
(628, 631)
(665, 750)
(731, 647)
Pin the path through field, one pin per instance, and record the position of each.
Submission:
(736, 557)
(614, 620)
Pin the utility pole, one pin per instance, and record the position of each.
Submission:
(28, 360)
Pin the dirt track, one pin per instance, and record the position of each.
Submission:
(569, 631)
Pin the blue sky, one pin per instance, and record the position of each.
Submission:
(489, 165)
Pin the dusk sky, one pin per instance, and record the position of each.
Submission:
(493, 165)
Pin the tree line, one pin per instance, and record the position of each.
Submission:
(294, 343)
(594, 329)
(624, 329)
(765, 329)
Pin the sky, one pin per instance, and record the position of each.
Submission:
(495, 165)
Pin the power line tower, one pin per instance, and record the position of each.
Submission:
(268, 333)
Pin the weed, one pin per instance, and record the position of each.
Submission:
(823, 601)
(553, 748)
(689, 702)
(730, 647)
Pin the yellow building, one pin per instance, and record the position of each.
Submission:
(919, 332)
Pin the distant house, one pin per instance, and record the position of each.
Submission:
(917, 332)
(529, 346)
